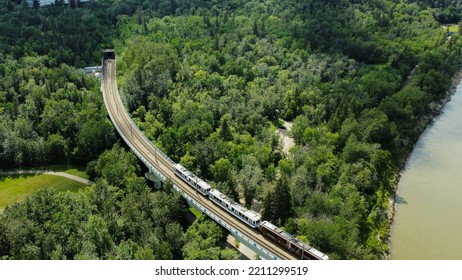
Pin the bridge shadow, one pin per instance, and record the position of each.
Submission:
(400, 200)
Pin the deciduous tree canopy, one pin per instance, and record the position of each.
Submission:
(209, 82)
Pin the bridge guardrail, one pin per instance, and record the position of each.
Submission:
(226, 225)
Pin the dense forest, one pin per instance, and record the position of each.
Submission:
(209, 82)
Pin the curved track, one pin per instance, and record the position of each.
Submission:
(119, 115)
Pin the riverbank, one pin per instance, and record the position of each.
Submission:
(437, 108)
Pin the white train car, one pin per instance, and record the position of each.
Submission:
(249, 217)
(191, 178)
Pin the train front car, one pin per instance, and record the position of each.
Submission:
(191, 178)
(302, 250)
(249, 217)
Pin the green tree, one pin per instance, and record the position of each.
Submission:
(203, 238)
(96, 232)
(278, 205)
(95, 136)
(225, 130)
(4, 242)
(221, 170)
(250, 179)
(56, 148)
(116, 165)
(229, 254)
(300, 124)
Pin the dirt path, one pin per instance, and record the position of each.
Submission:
(47, 172)
(287, 141)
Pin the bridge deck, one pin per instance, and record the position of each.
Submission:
(154, 157)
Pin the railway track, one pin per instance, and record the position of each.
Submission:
(119, 115)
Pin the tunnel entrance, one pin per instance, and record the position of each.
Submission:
(109, 54)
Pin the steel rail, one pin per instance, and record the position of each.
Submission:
(144, 148)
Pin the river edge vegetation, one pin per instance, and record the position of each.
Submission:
(209, 82)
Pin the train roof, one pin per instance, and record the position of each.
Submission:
(199, 181)
(279, 231)
(319, 254)
(295, 240)
(249, 213)
(312, 250)
(179, 166)
(203, 184)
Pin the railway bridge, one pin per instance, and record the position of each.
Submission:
(161, 167)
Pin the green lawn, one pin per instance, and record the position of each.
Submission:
(454, 28)
(15, 188)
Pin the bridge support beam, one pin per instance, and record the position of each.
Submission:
(154, 178)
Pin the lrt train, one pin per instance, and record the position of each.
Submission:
(249, 217)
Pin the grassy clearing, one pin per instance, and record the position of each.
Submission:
(77, 172)
(454, 28)
(15, 188)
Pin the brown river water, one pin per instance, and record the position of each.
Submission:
(428, 217)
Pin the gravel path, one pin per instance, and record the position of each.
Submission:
(47, 172)
(287, 142)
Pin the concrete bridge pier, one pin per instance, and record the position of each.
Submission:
(153, 175)
(154, 178)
